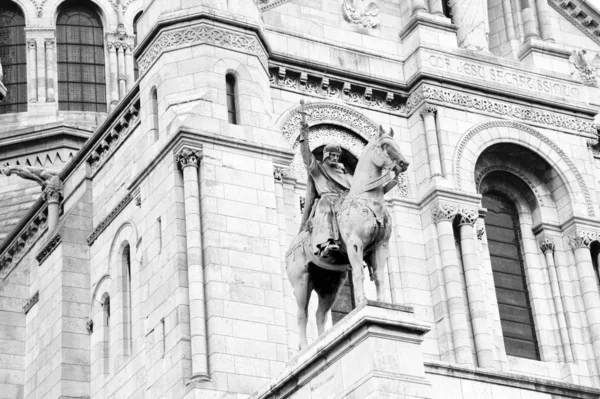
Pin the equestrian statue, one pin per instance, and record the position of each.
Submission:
(345, 223)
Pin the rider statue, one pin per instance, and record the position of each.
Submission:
(327, 182)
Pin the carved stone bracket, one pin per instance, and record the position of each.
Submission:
(23, 243)
(109, 218)
(292, 79)
(441, 211)
(115, 136)
(48, 248)
(30, 302)
(188, 157)
(547, 244)
(500, 108)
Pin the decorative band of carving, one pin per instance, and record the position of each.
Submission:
(505, 109)
(109, 218)
(30, 302)
(48, 248)
(547, 244)
(188, 157)
(487, 125)
(202, 33)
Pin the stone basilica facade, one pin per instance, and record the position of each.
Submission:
(153, 182)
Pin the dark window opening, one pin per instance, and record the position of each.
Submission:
(231, 99)
(81, 71)
(504, 240)
(136, 69)
(13, 55)
(446, 9)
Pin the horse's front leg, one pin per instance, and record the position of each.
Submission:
(354, 246)
(379, 263)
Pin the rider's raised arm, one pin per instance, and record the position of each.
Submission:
(307, 156)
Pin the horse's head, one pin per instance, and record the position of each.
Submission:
(389, 152)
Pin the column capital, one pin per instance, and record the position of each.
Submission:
(50, 42)
(279, 173)
(188, 157)
(111, 46)
(428, 109)
(581, 238)
(31, 43)
(547, 244)
(52, 193)
(441, 211)
(468, 215)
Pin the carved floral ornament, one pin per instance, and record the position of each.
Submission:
(360, 12)
(447, 211)
(188, 157)
(547, 244)
(579, 238)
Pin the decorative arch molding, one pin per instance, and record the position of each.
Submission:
(103, 285)
(351, 130)
(502, 168)
(121, 236)
(325, 112)
(469, 149)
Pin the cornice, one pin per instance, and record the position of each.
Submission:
(266, 5)
(104, 223)
(428, 20)
(580, 14)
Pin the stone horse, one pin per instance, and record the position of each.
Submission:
(365, 229)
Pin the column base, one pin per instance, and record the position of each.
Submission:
(374, 351)
(198, 377)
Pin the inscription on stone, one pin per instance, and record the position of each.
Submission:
(502, 76)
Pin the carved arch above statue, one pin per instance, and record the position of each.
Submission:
(486, 134)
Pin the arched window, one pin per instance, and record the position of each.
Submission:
(504, 241)
(106, 332)
(13, 56)
(231, 99)
(136, 69)
(81, 72)
(154, 104)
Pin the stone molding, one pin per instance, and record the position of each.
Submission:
(357, 94)
(496, 107)
(30, 302)
(268, 4)
(586, 20)
(50, 43)
(443, 210)
(513, 171)
(547, 244)
(188, 157)
(48, 248)
(109, 218)
(203, 32)
(515, 125)
(23, 242)
(114, 136)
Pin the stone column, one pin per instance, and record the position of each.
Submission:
(589, 289)
(528, 20)
(544, 20)
(547, 246)
(418, 5)
(435, 7)
(129, 66)
(189, 161)
(443, 214)
(114, 85)
(32, 62)
(433, 149)
(475, 292)
(122, 77)
(52, 194)
(50, 70)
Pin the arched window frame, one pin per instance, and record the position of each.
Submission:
(232, 101)
(136, 19)
(13, 56)
(154, 132)
(106, 332)
(81, 59)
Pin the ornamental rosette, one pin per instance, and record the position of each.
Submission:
(188, 157)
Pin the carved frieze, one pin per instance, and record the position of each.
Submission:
(360, 12)
(48, 248)
(23, 242)
(332, 88)
(501, 108)
(115, 136)
(198, 34)
(109, 218)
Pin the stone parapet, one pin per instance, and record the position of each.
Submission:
(374, 350)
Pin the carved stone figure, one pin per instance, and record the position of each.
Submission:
(583, 69)
(360, 13)
(470, 17)
(341, 230)
(43, 177)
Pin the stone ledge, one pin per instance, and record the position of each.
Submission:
(512, 380)
(370, 321)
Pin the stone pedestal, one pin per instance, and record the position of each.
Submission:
(545, 55)
(375, 351)
(2, 92)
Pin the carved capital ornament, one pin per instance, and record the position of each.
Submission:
(188, 157)
(547, 244)
(441, 211)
